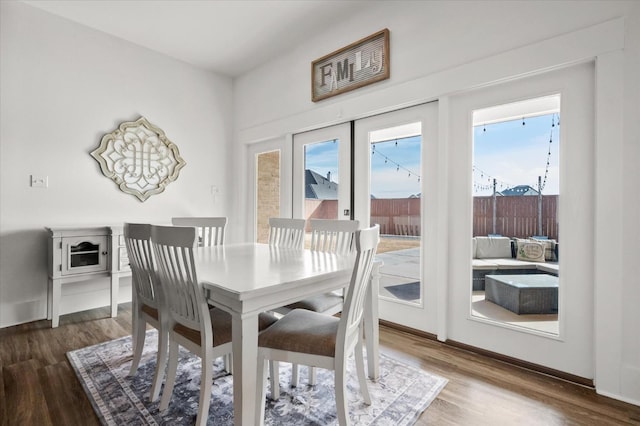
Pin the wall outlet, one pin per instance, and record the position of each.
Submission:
(39, 181)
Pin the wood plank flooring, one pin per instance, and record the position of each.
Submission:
(38, 385)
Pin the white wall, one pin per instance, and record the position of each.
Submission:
(62, 87)
(440, 48)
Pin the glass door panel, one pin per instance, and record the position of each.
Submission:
(516, 185)
(322, 174)
(506, 293)
(395, 206)
(321, 179)
(394, 152)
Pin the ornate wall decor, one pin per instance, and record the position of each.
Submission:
(359, 64)
(139, 158)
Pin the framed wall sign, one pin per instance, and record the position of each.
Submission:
(359, 64)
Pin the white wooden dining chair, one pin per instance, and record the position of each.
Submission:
(285, 232)
(333, 236)
(210, 229)
(329, 236)
(210, 232)
(203, 330)
(323, 341)
(147, 306)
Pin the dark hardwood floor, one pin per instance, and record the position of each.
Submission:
(39, 387)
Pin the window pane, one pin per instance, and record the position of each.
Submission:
(321, 180)
(267, 193)
(515, 228)
(395, 206)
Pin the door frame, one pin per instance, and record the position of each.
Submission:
(284, 146)
(572, 351)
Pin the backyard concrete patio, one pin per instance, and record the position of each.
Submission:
(401, 280)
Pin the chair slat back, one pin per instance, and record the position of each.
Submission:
(137, 238)
(353, 309)
(333, 236)
(173, 248)
(285, 232)
(210, 229)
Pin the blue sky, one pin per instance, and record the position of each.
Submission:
(514, 154)
(388, 180)
(508, 151)
(395, 169)
(322, 158)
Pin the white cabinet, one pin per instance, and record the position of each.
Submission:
(80, 254)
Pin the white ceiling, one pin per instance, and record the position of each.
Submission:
(228, 37)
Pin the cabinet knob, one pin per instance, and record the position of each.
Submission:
(104, 253)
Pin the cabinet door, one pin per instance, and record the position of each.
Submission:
(84, 254)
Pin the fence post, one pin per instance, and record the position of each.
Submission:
(540, 205)
(494, 206)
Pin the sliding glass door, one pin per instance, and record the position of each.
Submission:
(394, 155)
(322, 173)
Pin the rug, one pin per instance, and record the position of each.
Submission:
(400, 395)
(407, 291)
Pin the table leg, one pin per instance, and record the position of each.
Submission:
(371, 329)
(245, 355)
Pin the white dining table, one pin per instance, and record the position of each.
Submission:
(250, 278)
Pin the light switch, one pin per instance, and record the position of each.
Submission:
(39, 181)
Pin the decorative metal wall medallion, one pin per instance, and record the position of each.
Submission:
(139, 158)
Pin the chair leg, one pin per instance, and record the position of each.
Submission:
(313, 376)
(362, 377)
(261, 376)
(161, 365)
(294, 375)
(341, 392)
(228, 363)
(138, 336)
(225, 360)
(206, 377)
(274, 379)
(172, 368)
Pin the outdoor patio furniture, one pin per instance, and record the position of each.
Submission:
(498, 256)
(524, 294)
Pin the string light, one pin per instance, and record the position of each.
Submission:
(546, 171)
(388, 159)
(555, 121)
(490, 178)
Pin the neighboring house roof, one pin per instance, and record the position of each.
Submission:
(319, 187)
(519, 190)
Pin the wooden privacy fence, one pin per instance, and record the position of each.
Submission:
(515, 216)
(396, 216)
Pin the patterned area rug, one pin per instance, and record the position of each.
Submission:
(399, 397)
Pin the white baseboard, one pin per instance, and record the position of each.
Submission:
(75, 297)
(20, 313)
(619, 397)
